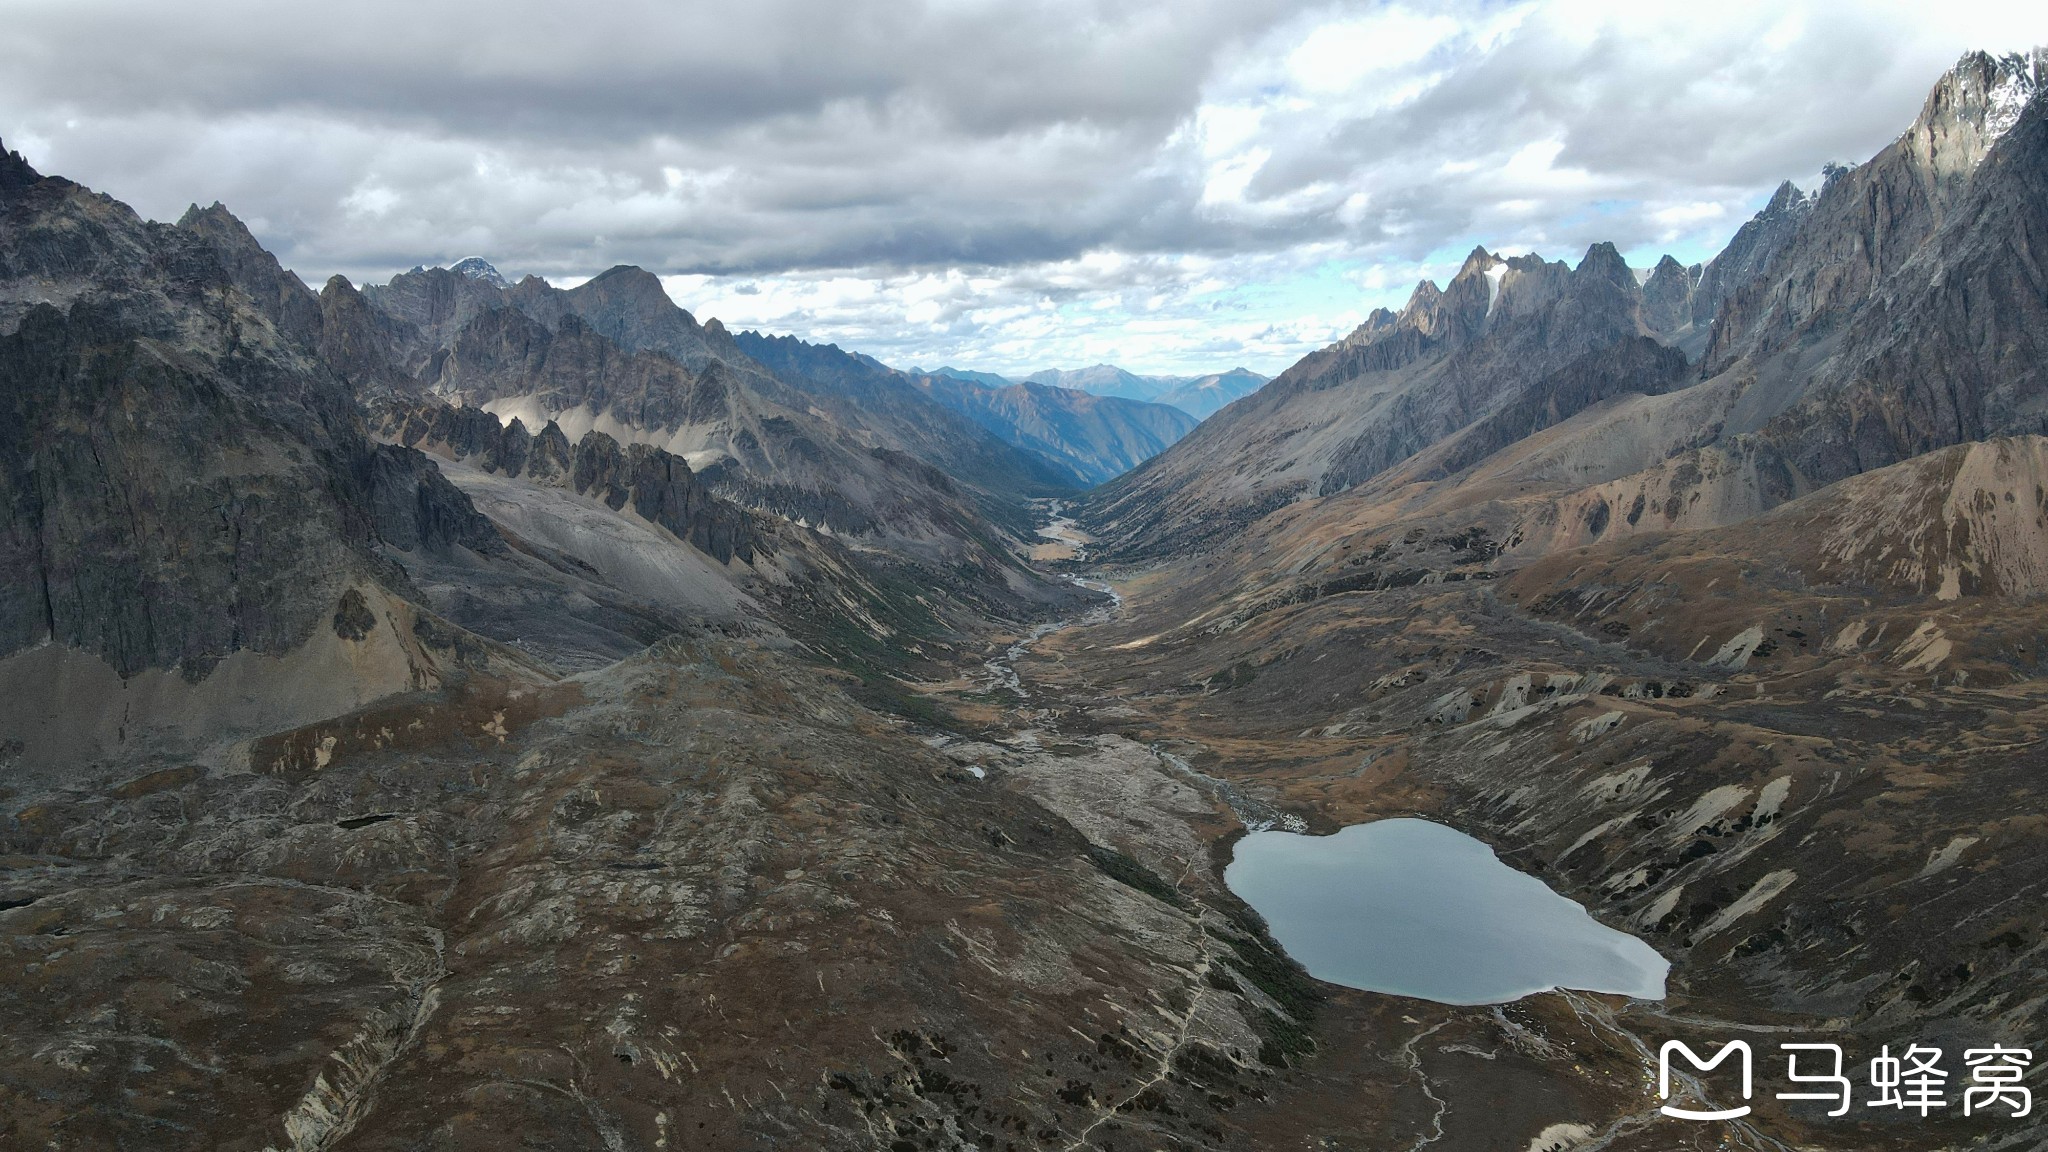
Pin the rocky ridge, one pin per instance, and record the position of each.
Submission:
(659, 486)
(1398, 384)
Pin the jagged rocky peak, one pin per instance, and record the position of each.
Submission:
(282, 297)
(1982, 96)
(1787, 200)
(1488, 289)
(1867, 221)
(1752, 248)
(2023, 79)
(215, 220)
(437, 301)
(478, 268)
(15, 171)
(1479, 263)
(1604, 262)
(1970, 108)
(1459, 309)
(1668, 270)
(1425, 310)
(1526, 285)
(1668, 298)
(628, 305)
(1377, 323)
(1787, 205)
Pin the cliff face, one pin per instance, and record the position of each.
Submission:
(179, 480)
(1504, 343)
(1749, 252)
(280, 296)
(1952, 346)
(658, 485)
(1826, 256)
(503, 352)
(1669, 296)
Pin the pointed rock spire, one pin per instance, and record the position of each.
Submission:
(1604, 261)
(1478, 261)
(1667, 298)
(15, 172)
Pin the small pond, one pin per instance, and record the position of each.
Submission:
(1413, 908)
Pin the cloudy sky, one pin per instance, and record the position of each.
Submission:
(1182, 185)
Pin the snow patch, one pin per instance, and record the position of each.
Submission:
(1760, 894)
(1772, 799)
(478, 268)
(1595, 832)
(1655, 913)
(1513, 695)
(1951, 583)
(2006, 100)
(1925, 649)
(1597, 727)
(1946, 858)
(1735, 654)
(1850, 637)
(1708, 808)
(1452, 707)
(1626, 784)
(1560, 1138)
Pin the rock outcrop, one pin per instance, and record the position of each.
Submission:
(658, 485)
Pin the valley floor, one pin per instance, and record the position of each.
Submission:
(706, 898)
(1747, 824)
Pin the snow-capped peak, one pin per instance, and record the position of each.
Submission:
(478, 268)
(2017, 82)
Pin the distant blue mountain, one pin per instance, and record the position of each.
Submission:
(1099, 437)
(1198, 396)
(987, 379)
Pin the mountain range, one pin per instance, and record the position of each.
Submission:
(456, 710)
(1198, 396)
(1801, 380)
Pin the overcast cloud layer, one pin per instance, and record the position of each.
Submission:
(1184, 185)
